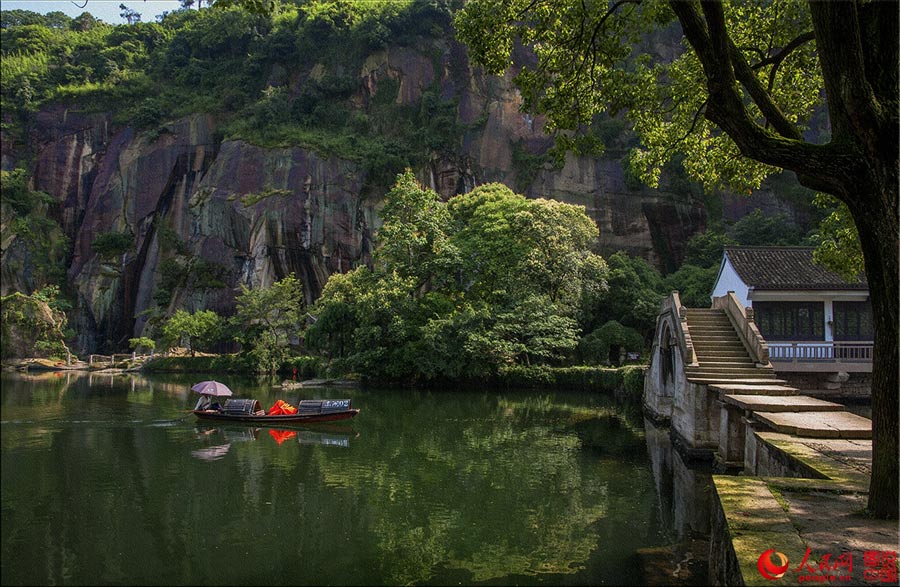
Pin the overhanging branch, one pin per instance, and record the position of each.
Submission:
(824, 167)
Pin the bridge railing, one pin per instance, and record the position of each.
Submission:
(821, 351)
(671, 306)
(742, 318)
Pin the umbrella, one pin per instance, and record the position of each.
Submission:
(208, 390)
(212, 388)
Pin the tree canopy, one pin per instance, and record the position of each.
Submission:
(464, 288)
(269, 320)
(199, 328)
(736, 97)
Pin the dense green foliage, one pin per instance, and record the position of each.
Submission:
(609, 344)
(837, 240)
(142, 344)
(32, 326)
(585, 66)
(236, 363)
(268, 320)
(27, 223)
(629, 378)
(461, 289)
(239, 65)
(111, 244)
(199, 328)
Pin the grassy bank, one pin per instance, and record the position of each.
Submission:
(307, 367)
(629, 378)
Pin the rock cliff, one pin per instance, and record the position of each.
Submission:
(205, 214)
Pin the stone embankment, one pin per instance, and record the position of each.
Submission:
(805, 463)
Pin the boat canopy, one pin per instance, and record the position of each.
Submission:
(242, 407)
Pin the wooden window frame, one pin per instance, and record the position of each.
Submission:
(779, 320)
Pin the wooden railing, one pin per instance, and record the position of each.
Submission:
(742, 319)
(821, 351)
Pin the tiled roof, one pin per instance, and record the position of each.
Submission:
(785, 268)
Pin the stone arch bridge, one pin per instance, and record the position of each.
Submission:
(711, 380)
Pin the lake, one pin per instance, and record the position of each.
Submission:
(106, 480)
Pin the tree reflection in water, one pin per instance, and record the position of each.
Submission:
(438, 487)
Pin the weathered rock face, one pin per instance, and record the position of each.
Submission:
(31, 328)
(206, 216)
(248, 215)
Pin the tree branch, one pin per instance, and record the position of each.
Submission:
(736, 67)
(694, 122)
(778, 58)
(852, 104)
(786, 50)
(823, 167)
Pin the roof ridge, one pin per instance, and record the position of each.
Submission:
(778, 247)
(792, 267)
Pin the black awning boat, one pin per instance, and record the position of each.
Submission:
(250, 410)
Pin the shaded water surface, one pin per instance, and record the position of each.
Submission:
(106, 481)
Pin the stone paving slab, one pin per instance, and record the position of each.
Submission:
(750, 389)
(818, 424)
(716, 381)
(756, 522)
(739, 388)
(848, 461)
(760, 514)
(782, 403)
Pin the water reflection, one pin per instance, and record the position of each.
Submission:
(471, 487)
(211, 453)
(218, 439)
(685, 499)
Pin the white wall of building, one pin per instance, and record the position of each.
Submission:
(728, 280)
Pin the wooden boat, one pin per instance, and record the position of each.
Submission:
(308, 411)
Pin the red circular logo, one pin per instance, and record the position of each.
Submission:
(769, 568)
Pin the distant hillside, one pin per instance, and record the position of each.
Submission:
(176, 160)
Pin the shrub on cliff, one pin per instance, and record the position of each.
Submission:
(31, 328)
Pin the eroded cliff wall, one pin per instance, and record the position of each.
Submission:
(207, 215)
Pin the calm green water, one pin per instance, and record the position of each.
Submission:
(104, 481)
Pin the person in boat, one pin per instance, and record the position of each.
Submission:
(207, 403)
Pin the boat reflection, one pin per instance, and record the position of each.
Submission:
(211, 453)
(220, 438)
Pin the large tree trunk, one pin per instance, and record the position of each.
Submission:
(858, 50)
(878, 236)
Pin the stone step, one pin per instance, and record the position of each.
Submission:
(817, 424)
(781, 403)
(746, 388)
(715, 380)
(724, 355)
(711, 325)
(729, 370)
(712, 346)
(710, 319)
(744, 361)
(703, 337)
(730, 377)
(748, 364)
(699, 331)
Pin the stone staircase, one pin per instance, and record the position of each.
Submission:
(727, 369)
(721, 356)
